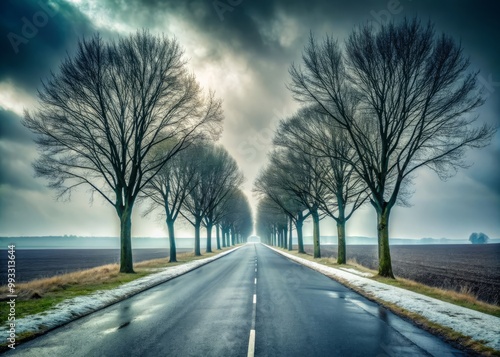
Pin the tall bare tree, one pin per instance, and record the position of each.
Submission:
(107, 109)
(405, 98)
(347, 191)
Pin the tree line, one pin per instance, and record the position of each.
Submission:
(374, 110)
(126, 119)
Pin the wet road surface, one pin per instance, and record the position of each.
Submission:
(252, 301)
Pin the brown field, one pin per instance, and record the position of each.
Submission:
(473, 269)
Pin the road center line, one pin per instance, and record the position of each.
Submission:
(251, 340)
(251, 344)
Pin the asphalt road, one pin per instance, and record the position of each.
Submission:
(250, 301)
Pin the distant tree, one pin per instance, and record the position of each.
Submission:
(478, 238)
(268, 185)
(216, 176)
(300, 174)
(346, 190)
(236, 221)
(404, 97)
(242, 217)
(226, 178)
(270, 221)
(106, 111)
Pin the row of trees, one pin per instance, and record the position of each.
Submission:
(201, 184)
(388, 102)
(114, 117)
(300, 183)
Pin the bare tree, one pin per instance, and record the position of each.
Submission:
(300, 174)
(107, 109)
(226, 180)
(268, 185)
(347, 191)
(404, 96)
(270, 220)
(168, 190)
(217, 175)
(236, 220)
(241, 216)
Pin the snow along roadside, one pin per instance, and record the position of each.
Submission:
(71, 309)
(477, 325)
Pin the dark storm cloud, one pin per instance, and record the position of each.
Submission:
(35, 36)
(243, 28)
(11, 128)
(16, 171)
(486, 169)
(240, 27)
(16, 154)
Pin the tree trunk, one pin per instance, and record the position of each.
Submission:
(285, 236)
(217, 234)
(384, 258)
(341, 256)
(317, 249)
(300, 238)
(126, 262)
(231, 230)
(197, 224)
(224, 238)
(171, 239)
(209, 238)
(290, 229)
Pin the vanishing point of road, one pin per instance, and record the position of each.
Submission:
(252, 301)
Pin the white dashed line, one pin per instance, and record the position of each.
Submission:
(251, 344)
(251, 340)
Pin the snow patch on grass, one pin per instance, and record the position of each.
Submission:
(70, 309)
(357, 272)
(477, 325)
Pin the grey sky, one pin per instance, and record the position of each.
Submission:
(243, 51)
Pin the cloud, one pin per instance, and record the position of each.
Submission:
(36, 35)
(12, 130)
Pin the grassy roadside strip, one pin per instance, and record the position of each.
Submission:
(461, 299)
(40, 296)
